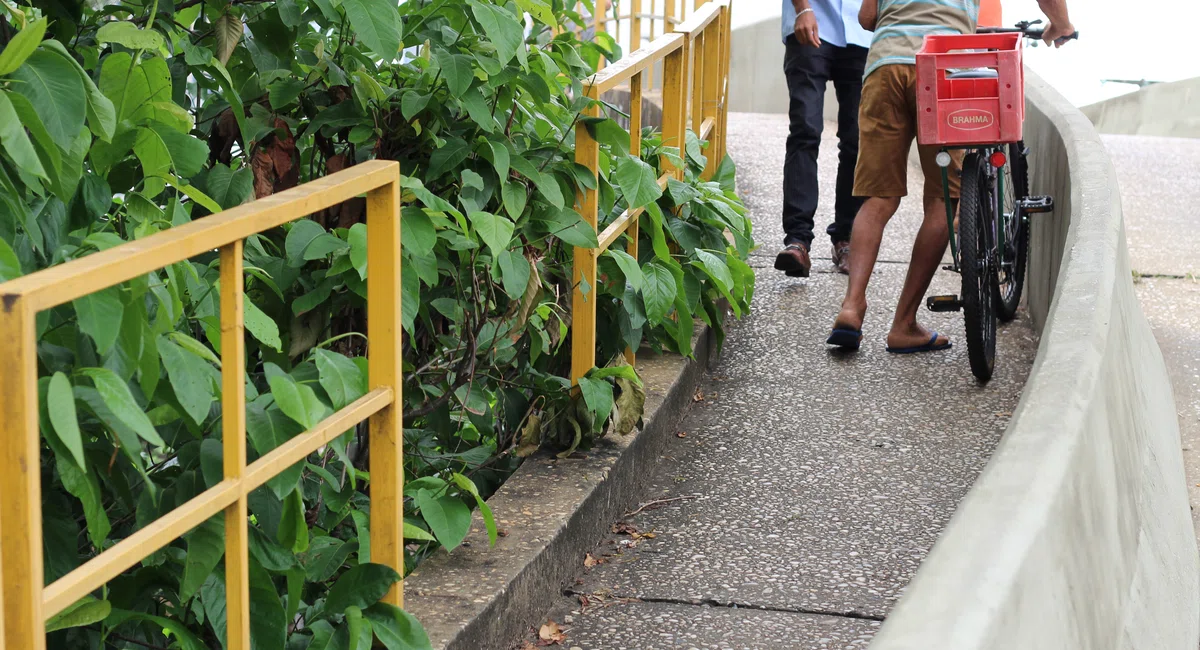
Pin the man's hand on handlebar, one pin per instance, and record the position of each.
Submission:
(1058, 33)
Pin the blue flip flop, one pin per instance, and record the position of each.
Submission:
(931, 346)
(845, 338)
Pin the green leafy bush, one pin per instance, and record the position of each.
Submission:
(121, 120)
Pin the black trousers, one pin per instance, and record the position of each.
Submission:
(808, 70)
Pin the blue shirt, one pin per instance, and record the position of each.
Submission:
(837, 22)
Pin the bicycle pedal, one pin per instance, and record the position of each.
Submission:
(943, 303)
(1037, 204)
(953, 268)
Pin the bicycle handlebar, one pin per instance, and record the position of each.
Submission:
(1029, 30)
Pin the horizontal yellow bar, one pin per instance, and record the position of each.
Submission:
(66, 282)
(618, 226)
(624, 69)
(296, 449)
(85, 579)
(623, 222)
(706, 127)
(700, 18)
(133, 549)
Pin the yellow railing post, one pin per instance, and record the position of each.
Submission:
(20, 479)
(233, 432)
(384, 335)
(635, 149)
(583, 304)
(675, 102)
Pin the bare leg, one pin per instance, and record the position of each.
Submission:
(927, 253)
(872, 217)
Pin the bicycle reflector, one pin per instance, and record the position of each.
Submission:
(943, 159)
(998, 159)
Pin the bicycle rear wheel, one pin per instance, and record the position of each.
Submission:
(1014, 250)
(975, 235)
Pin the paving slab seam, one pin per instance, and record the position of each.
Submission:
(713, 602)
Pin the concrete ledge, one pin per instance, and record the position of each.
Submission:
(552, 511)
(1078, 534)
(1170, 109)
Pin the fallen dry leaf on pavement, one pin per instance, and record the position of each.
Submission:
(590, 561)
(552, 633)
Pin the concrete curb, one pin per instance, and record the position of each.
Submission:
(1078, 533)
(552, 511)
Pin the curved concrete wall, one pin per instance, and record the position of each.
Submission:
(1171, 109)
(1077, 535)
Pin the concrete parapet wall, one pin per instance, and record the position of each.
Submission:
(1077, 535)
(756, 81)
(1171, 109)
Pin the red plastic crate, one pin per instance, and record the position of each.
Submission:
(970, 111)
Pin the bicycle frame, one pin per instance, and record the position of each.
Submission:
(997, 200)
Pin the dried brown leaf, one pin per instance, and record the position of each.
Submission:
(551, 632)
(229, 34)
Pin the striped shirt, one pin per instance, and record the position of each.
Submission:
(903, 25)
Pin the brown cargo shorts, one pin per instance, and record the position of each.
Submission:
(887, 124)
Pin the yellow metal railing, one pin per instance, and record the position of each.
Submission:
(26, 604)
(695, 64)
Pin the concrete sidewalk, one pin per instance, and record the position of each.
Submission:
(805, 486)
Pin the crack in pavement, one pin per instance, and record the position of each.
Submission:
(712, 602)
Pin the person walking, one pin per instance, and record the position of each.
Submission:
(823, 42)
(889, 124)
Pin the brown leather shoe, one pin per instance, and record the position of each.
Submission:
(793, 261)
(841, 256)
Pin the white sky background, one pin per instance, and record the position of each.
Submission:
(1120, 39)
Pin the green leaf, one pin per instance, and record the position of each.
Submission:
(501, 28)
(361, 586)
(572, 229)
(261, 326)
(448, 517)
(86, 488)
(227, 187)
(622, 372)
(545, 183)
(212, 598)
(396, 628)
(49, 152)
(268, 428)
(637, 182)
(340, 377)
(324, 246)
(55, 90)
(495, 231)
(416, 232)
(268, 620)
(129, 35)
(658, 291)
(412, 103)
(190, 377)
(301, 234)
(293, 529)
(181, 637)
(358, 248)
(489, 520)
(325, 556)
(195, 347)
(515, 196)
(681, 192)
(205, 548)
(447, 157)
(10, 265)
(230, 93)
(607, 132)
(119, 400)
(414, 533)
(358, 628)
(16, 140)
(297, 401)
(457, 70)
(598, 395)
(500, 159)
(134, 89)
(161, 148)
(716, 269)
(540, 10)
(60, 402)
(21, 46)
(84, 612)
(377, 23)
(514, 273)
(629, 266)
(100, 316)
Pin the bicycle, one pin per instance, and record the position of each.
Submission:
(970, 97)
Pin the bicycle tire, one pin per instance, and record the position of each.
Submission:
(1014, 252)
(975, 226)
